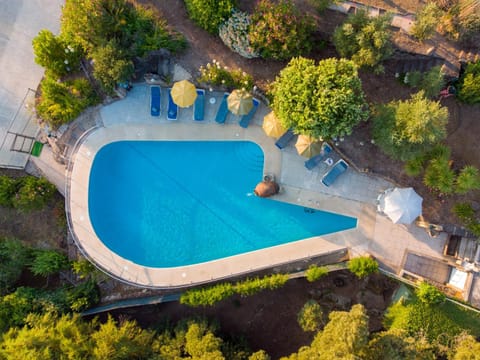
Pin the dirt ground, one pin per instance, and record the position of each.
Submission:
(268, 320)
(463, 125)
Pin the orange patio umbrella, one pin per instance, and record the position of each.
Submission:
(240, 102)
(184, 93)
(308, 146)
(272, 126)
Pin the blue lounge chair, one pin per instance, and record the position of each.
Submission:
(245, 120)
(222, 111)
(285, 139)
(338, 169)
(199, 105)
(155, 100)
(317, 159)
(172, 107)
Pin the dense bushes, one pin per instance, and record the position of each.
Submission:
(279, 31)
(234, 34)
(209, 14)
(217, 75)
(25, 193)
(212, 294)
(363, 266)
(310, 317)
(470, 84)
(426, 21)
(364, 39)
(313, 273)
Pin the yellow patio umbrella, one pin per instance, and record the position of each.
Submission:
(184, 93)
(271, 125)
(240, 102)
(308, 146)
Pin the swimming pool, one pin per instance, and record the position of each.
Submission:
(165, 204)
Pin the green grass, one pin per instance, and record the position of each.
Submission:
(464, 318)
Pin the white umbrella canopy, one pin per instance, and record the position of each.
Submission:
(401, 205)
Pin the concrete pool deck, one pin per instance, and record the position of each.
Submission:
(353, 194)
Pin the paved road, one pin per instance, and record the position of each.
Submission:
(20, 22)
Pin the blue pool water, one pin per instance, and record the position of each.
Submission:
(174, 203)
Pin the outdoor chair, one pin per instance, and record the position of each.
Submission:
(245, 120)
(155, 101)
(199, 105)
(338, 169)
(317, 159)
(222, 111)
(283, 140)
(172, 110)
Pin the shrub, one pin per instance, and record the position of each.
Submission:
(279, 31)
(207, 296)
(33, 194)
(83, 296)
(310, 317)
(322, 5)
(363, 266)
(414, 167)
(214, 74)
(48, 262)
(439, 176)
(432, 82)
(364, 39)
(429, 294)
(209, 14)
(14, 256)
(426, 21)
(8, 189)
(234, 34)
(469, 91)
(468, 179)
(61, 102)
(467, 215)
(314, 273)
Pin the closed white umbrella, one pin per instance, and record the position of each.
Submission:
(401, 205)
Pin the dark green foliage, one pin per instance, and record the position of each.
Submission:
(432, 82)
(213, 294)
(61, 102)
(407, 129)
(33, 193)
(209, 14)
(322, 101)
(414, 167)
(83, 296)
(468, 216)
(8, 188)
(426, 22)
(310, 317)
(467, 180)
(470, 84)
(14, 257)
(280, 31)
(439, 176)
(111, 65)
(429, 294)
(364, 39)
(322, 5)
(48, 262)
(313, 273)
(363, 266)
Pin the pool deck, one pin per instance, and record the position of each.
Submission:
(353, 194)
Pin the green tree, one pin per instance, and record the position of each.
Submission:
(432, 82)
(429, 294)
(313, 273)
(470, 84)
(363, 266)
(467, 180)
(466, 347)
(14, 257)
(280, 31)
(125, 340)
(439, 176)
(407, 129)
(426, 21)
(111, 66)
(344, 337)
(209, 14)
(365, 39)
(48, 262)
(322, 101)
(310, 317)
(33, 194)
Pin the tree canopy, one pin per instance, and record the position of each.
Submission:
(406, 129)
(322, 101)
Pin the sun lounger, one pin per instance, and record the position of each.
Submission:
(172, 110)
(317, 159)
(285, 139)
(338, 169)
(199, 105)
(222, 111)
(155, 100)
(245, 120)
